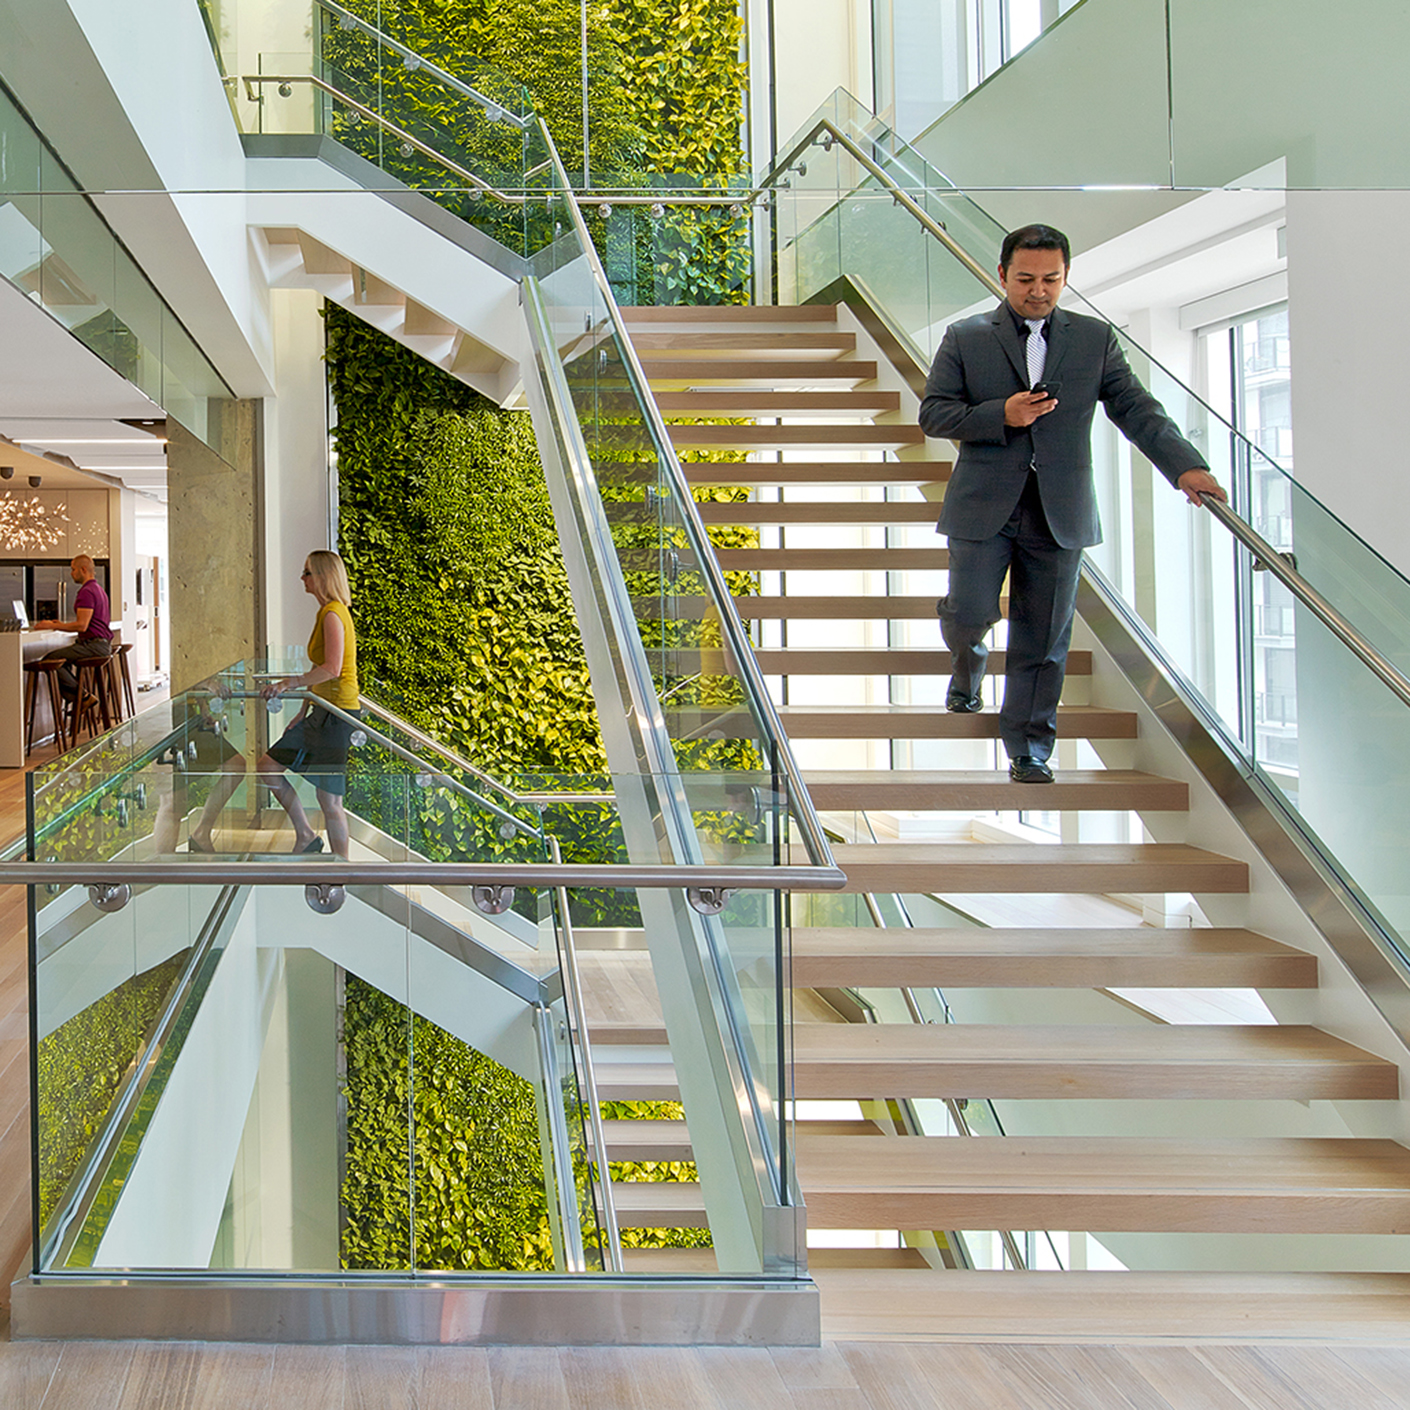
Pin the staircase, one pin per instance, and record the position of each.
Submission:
(836, 601)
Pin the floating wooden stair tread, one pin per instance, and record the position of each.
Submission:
(883, 661)
(1066, 868)
(833, 609)
(646, 1140)
(757, 606)
(827, 560)
(705, 343)
(637, 1082)
(756, 370)
(659, 1204)
(932, 722)
(1040, 1061)
(714, 315)
(935, 790)
(1114, 1307)
(826, 472)
(760, 402)
(849, 661)
(698, 1261)
(637, 1035)
(860, 512)
(1266, 1185)
(1140, 957)
(876, 1259)
(766, 436)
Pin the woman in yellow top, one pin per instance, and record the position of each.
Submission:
(316, 743)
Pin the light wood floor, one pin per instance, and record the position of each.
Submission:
(841, 1375)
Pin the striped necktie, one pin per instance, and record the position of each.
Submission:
(1037, 350)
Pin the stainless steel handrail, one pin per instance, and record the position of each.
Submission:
(426, 741)
(1340, 626)
(1276, 563)
(415, 62)
(901, 196)
(813, 836)
(405, 755)
(311, 870)
(400, 133)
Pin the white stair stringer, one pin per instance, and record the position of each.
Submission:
(394, 270)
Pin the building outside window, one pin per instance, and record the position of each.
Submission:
(1249, 369)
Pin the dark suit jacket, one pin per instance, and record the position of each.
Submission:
(980, 365)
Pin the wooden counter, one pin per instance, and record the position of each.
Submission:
(15, 649)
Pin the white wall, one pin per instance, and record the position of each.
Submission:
(296, 480)
(174, 1195)
(1347, 385)
(819, 46)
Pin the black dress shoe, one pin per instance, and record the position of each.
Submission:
(1024, 768)
(957, 703)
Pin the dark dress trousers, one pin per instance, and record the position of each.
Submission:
(1021, 499)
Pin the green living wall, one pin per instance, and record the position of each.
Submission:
(667, 87)
(81, 1066)
(460, 596)
(473, 1164)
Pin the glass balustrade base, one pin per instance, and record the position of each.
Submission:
(445, 1310)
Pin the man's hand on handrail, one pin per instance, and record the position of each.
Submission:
(1198, 482)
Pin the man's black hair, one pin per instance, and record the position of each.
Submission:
(1034, 237)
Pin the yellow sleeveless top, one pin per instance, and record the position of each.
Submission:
(341, 692)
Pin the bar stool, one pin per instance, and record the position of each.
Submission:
(121, 682)
(48, 671)
(88, 706)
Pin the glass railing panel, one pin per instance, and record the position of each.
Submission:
(485, 137)
(105, 986)
(423, 127)
(808, 240)
(362, 38)
(703, 696)
(56, 247)
(575, 1180)
(1335, 749)
(78, 287)
(455, 1138)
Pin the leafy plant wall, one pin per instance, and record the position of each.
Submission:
(474, 1164)
(666, 85)
(459, 593)
(81, 1065)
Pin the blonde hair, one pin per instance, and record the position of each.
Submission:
(329, 575)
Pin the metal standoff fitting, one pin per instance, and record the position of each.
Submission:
(493, 900)
(708, 900)
(103, 896)
(324, 899)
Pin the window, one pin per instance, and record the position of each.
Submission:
(1249, 368)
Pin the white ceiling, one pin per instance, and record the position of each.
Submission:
(59, 399)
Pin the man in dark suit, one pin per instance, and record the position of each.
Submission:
(1017, 388)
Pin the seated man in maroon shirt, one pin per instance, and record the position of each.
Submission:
(91, 615)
